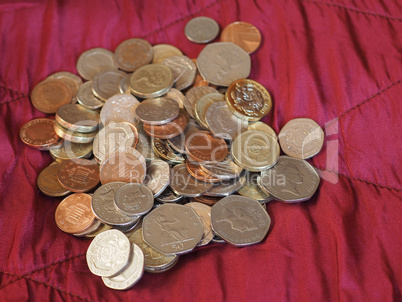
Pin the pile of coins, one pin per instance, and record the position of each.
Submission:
(176, 171)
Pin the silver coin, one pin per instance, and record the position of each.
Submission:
(127, 229)
(183, 69)
(227, 187)
(75, 117)
(255, 150)
(301, 138)
(124, 86)
(134, 199)
(105, 84)
(144, 145)
(108, 253)
(104, 208)
(172, 229)
(251, 188)
(262, 127)
(239, 220)
(131, 274)
(291, 180)
(158, 176)
(163, 51)
(131, 54)
(157, 111)
(202, 106)
(222, 123)
(86, 98)
(92, 228)
(178, 142)
(218, 239)
(225, 169)
(193, 95)
(201, 30)
(204, 212)
(182, 183)
(169, 196)
(222, 63)
(93, 61)
(120, 108)
(176, 95)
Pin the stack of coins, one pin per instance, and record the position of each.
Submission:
(159, 153)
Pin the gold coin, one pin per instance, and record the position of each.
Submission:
(48, 183)
(71, 150)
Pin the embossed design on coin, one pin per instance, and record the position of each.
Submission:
(133, 53)
(134, 199)
(39, 133)
(78, 175)
(48, 183)
(204, 212)
(94, 61)
(157, 111)
(164, 151)
(158, 176)
(243, 34)
(184, 184)
(201, 30)
(183, 69)
(49, 95)
(193, 95)
(106, 83)
(119, 108)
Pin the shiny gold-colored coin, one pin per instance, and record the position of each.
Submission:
(71, 150)
(48, 183)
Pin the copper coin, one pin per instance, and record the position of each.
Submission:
(47, 181)
(171, 129)
(208, 200)
(243, 34)
(49, 95)
(78, 175)
(202, 146)
(131, 54)
(74, 214)
(39, 133)
(196, 172)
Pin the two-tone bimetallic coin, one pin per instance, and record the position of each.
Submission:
(252, 190)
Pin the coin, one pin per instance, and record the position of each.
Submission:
(183, 70)
(105, 84)
(227, 187)
(134, 199)
(119, 108)
(102, 228)
(205, 199)
(157, 111)
(239, 220)
(260, 126)
(202, 105)
(47, 181)
(178, 142)
(91, 229)
(78, 175)
(124, 86)
(222, 123)
(86, 98)
(144, 145)
(39, 134)
(49, 95)
(74, 214)
(74, 136)
(164, 151)
(201, 30)
(151, 81)
(225, 169)
(204, 147)
(222, 63)
(243, 34)
(176, 95)
(301, 138)
(193, 95)
(172, 229)
(132, 54)
(108, 253)
(158, 176)
(251, 189)
(171, 129)
(127, 229)
(291, 180)
(77, 118)
(255, 151)
(94, 61)
(198, 173)
(204, 212)
(73, 81)
(182, 183)
(163, 51)
(169, 196)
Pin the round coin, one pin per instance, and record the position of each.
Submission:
(77, 118)
(225, 169)
(243, 34)
(73, 81)
(204, 147)
(183, 70)
(193, 95)
(86, 98)
(204, 212)
(157, 111)
(120, 108)
(171, 129)
(158, 176)
(47, 181)
(163, 51)
(39, 133)
(78, 175)
(106, 83)
(260, 126)
(201, 30)
(176, 95)
(251, 188)
(94, 61)
(195, 171)
(134, 199)
(182, 183)
(49, 95)
(169, 196)
(131, 54)
(164, 151)
(202, 106)
(74, 136)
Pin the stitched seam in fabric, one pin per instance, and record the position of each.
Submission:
(13, 100)
(12, 90)
(355, 10)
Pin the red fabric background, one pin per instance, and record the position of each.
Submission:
(337, 62)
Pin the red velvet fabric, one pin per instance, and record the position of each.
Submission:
(335, 61)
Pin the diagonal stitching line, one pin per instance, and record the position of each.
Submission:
(13, 100)
(355, 10)
(12, 90)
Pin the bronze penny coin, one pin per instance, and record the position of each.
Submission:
(39, 134)
(202, 146)
(131, 54)
(47, 181)
(49, 95)
(78, 175)
(196, 172)
(243, 34)
(171, 129)
(208, 200)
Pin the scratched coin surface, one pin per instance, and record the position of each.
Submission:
(172, 229)
(290, 180)
(49, 95)
(158, 176)
(243, 34)
(202, 105)
(204, 212)
(183, 69)
(193, 95)
(78, 175)
(182, 183)
(301, 138)
(108, 253)
(77, 118)
(47, 181)
(222, 63)
(86, 98)
(120, 108)
(131, 54)
(106, 83)
(39, 133)
(163, 51)
(157, 111)
(94, 61)
(134, 199)
(201, 30)
(240, 220)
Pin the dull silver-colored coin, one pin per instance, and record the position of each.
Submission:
(239, 220)
(86, 98)
(202, 105)
(182, 183)
(134, 199)
(105, 84)
(124, 86)
(144, 145)
(227, 187)
(290, 180)
(120, 108)
(108, 253)
(251, 188)
(222, 63)
(77, 118)
(71, 150)
(260, 126)
(183, 69)
(163, 51)
(193, 95)
(204, 212)
(169, 196)
(225, 169)
(201, 30)
(178, 142)
(301, 138)
(132, 54)
(157, 111)
(176, 95)
(172, 229)
(158, 176)
(93, 61)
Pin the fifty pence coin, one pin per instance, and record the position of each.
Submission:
(158, 176)
(201, 30)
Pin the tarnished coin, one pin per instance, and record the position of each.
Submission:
(158, 176)
(178, 142)
(134, 199)
(171, 129)
(291, 180)
(202, 105)
(225, 169)
(183, 69)
(251, 188)
(157, 111)
(260, 126)
(105, 84)
(172, 229)
(201, 30)
(164, 151)
(222, 123)
(120, 108)
(239, 220)
(49, 95)
(301, 138)
(74, 214)
(195, 171)
(73, 81)
(93, 61)
(39, 134)
(133, 54)
(202, 146)
(104, 207)
(151, 81)
(204, 212)
(86, 98)
(131, 274)
(47, 181)
(163, 51)
(227, 187)
(108, 253)
(184, 184)
(255, 151)
(222, 63)
(193, 95)
(124, 86)
(77, 118)
(78, 175)
(74, 136)
(169, 196)
(243, 34)
(144, 145)
(176, 95)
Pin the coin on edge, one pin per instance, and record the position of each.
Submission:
(77, 118)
